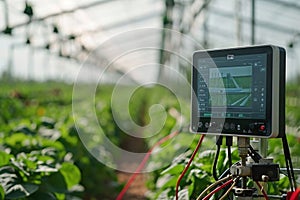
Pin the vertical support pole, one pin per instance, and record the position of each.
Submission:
(239, 22)
(6, 18)
(30, 63)
(243, 145)
(263, 148)
(10, 63)
(205, 27)
(7, 29)
(166, 38)
(253, 22)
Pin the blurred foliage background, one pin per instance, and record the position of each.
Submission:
(42, 156)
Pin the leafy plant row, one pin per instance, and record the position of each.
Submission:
(162, 182)
(41, 155)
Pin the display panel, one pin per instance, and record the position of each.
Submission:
(231, 84)
(233, 91)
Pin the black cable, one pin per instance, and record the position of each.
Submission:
(254, 155)
(229, 156)
(229, 144)
(289, 164)
(215, 162)
(219, 140)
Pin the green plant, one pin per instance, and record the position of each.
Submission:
(37, 117)
(37, 131)
(196, 179)
(162, 182)
(38, 175)
(35, 164)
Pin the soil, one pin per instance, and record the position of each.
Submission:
(137, 189)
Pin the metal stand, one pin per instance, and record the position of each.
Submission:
(263, 170)
(243, 171)
(263, 147)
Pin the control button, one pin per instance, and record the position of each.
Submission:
(238, 127)
(200, 124)
(262, 127)
(206, 125)
(232, 126)
(213, 124)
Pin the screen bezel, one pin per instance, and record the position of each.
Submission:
(268, 50)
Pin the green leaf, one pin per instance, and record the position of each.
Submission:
(8, 176)
(17, 140)
(24, 129)
(2, 193)
(48, 122)
(166, 181)
(21, 190)
(183, 194)
(60, 196)
(43, 196)
(13, 186)
(30, 165)
(191, 186)
(20, 166)
(71, 174)
(173, 169)
(197, 173)
(55, 183)
(4, 158)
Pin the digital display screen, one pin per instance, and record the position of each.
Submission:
(239, 91)
(232, 86)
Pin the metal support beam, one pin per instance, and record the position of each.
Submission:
(239, 22)
(7, 29)
(86, 6)
(6, 16)
(253, 22)
(261, 23)
(287, 4)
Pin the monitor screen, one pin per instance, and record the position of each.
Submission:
(234, 87)
(239, 91)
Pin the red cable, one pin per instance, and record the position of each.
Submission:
(142, 164)
(262, 190)
(217, 189)
(295, 194)
(188, 165)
